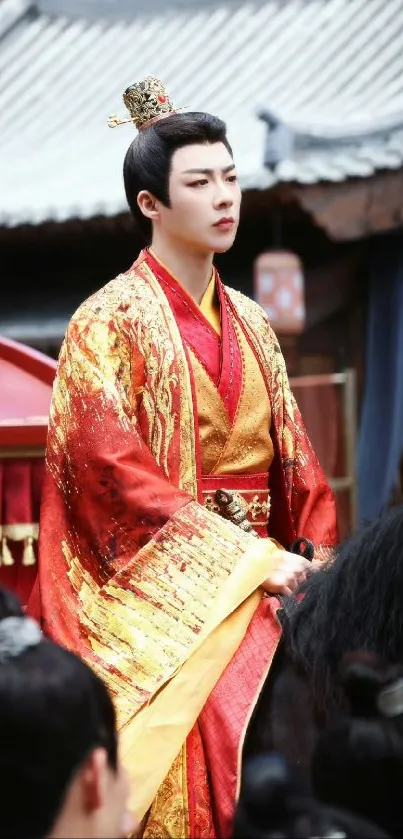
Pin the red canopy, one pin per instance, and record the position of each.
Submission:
(26, 378)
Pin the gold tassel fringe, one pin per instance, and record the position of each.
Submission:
(6, 555)
(28, 557)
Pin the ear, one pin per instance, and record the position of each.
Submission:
(94, 780)
(148, 204)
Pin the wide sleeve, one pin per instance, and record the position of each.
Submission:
(118, 497)
(313, 505)
(303, 504)
(133, 571)
(311, 500)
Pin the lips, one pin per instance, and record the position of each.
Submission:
(224, 223)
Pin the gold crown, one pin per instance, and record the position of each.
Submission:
(147, 101)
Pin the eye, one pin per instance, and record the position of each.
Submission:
(232, 179)
(201, 182)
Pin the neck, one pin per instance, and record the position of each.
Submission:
(193, 270)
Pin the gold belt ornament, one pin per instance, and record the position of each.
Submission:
(232, 505)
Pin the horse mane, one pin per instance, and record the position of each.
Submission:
(353, 604)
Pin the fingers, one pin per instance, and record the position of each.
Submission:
(291, 571)
(280, 589)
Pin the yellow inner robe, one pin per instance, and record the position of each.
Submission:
(242, 447)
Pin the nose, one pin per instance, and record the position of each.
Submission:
(223, 197)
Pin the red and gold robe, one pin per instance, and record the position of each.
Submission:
(154, 407)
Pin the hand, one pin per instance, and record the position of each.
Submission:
(291, 571)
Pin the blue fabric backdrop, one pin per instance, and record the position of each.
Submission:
(381, 433)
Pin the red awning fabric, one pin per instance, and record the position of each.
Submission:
(26, 379)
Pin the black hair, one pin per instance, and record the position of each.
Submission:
(358, 761)
(273, 804)
(353, 604)
(147, 163)
(271, 800)
(53, 712)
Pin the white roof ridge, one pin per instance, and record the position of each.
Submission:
(10, 12)
(355, 132)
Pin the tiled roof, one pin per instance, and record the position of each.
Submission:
(331, 71)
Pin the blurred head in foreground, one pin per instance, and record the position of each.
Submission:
(58, 755)
(358, 761)
(274, 805)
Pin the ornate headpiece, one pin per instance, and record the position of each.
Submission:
(147, 101)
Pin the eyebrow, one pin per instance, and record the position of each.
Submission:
(208, 171)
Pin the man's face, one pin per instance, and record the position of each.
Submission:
(116, 819)
(204, 197)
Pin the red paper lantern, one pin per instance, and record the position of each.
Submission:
(279, 289)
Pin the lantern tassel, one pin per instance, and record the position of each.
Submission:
(6, 555)
(28, 557)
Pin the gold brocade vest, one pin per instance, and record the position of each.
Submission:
(245, 447)
(231, 453)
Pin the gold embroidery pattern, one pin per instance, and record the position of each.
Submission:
(130, 312)
(144, 622)
(164, 343)
(104, 371)
(169, 811)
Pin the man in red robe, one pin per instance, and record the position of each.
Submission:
(170, 388)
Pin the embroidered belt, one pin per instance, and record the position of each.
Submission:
(243, 499)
